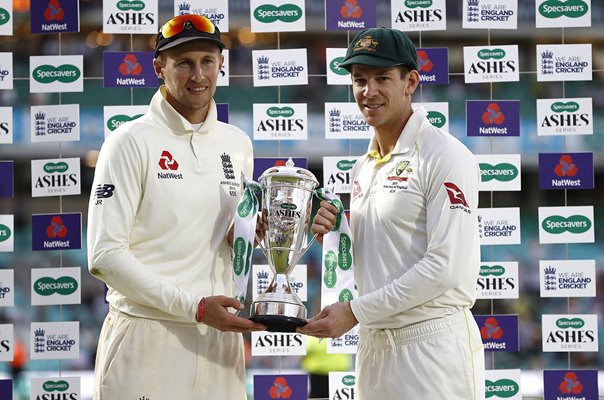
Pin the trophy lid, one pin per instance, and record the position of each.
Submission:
(288, 171)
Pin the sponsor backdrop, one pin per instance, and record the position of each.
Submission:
(257, 38)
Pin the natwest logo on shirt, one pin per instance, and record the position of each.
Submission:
(168, 163)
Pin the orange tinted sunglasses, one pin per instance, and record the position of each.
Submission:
(179, 23)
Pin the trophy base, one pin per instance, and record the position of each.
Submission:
(279, 323)
(278, 316)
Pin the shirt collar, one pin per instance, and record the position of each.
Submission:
(405, 140)
(177, 123)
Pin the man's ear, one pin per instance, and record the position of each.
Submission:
(412, 82)
(157, 68)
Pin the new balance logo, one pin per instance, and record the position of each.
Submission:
(103, 191)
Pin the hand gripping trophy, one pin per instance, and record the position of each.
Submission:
(287, 193)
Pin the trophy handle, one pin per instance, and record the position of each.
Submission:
(305, 249)
(261, 245)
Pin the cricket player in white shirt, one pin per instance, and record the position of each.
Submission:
(415, 239)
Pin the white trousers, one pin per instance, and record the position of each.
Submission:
(140, 358)
(441, 359)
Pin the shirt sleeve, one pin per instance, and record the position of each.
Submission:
(117, 191)
(451, 196)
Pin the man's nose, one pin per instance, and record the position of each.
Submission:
(197, 73)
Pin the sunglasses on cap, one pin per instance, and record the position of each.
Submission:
(179, 23)
(183, 28)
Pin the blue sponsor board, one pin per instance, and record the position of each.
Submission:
(6, 389)
(498, 332)
(571, 384)
(223, 112)
(261, 164)
(493, 117)
(292, 387)
(7, 178)
(342, 15)
(54, 16)
(56, 231)
(433, 65)
(566, 171)
(129, 69)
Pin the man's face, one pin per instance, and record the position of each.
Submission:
(190, 72)
(383, 94)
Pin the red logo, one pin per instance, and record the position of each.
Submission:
(566, 167)
(351, 9)
(493, 115)
(571, 384)
(130, 66)
(280, 389)
(56, 229)
(54, 12)
(491, 329)
(423, 62)
(167, 162)
(456, 196)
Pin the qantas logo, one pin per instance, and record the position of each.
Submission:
(456, 196)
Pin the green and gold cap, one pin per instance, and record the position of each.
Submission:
(381, 47)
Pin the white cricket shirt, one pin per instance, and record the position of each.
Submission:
(415, 229)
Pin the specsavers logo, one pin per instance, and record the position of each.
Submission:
(495, 54)
(494, 270)
(436, 118)
(4, 16)
(503, 172)
(502, 388)
(571, 106)
(418, 3)
(556, 8)
(125, 5)
(268, 13)
(58, 386)
(557, 224)
(117, 120)
(334, 66)
(65, 73)
(5, 233)
(47, 286)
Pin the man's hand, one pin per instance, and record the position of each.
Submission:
(332, 322)
(324, 220)
(261, 227)
(217, 315)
